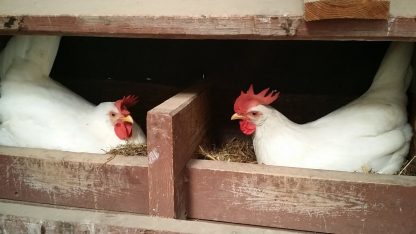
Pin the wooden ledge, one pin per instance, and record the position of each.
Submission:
(33, 218)
(205, 19)
(301, 199)
(74, 179)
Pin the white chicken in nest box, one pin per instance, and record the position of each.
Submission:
(38, 112)
(369, 134)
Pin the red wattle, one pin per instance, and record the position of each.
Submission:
(247, 127)
(123, 130)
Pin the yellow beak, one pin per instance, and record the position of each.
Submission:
(128, 119)
(236, 116)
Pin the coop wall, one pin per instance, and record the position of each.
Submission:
(314, 78)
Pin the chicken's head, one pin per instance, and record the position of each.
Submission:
(247, 108)
(120, 117)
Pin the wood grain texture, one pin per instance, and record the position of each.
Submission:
(301, 199)
(346, 9)
(174, 128)
(24, 217)
(74, 179)
(244, 27)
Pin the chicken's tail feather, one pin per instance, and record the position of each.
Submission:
(395, 70)
(39, 51)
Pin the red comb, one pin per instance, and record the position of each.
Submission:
(249, 99)
(125, 102)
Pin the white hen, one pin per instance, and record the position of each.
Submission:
(38, 112)
(371, 132)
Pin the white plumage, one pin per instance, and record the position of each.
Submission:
(38, 112)
(369, 133)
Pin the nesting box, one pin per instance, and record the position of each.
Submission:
(187, 88)
(294, 198)
(92, 180)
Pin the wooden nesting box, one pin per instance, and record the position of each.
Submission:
(171, 183)
(81, 179)
(294, 198)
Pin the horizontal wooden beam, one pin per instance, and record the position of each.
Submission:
(74, 179)
(218, 27)
(35, 218)
(301, 199)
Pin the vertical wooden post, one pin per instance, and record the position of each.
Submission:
(174, 130)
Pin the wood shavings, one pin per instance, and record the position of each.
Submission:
(235, 150)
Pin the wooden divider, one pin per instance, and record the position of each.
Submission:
(301, 199)
(175, 128)
(74, 179)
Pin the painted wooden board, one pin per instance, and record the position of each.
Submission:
(301, 199)
(36, 218)
(74, 179)
(342, 9)
(246, 27)
(175, 128)
(260, 19)
(178, 8)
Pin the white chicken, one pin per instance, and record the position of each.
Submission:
(38, 112)
(370, 133)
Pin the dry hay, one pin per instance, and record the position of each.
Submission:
(409, 168)
(238, 150)
(235, 150)
(129, 149)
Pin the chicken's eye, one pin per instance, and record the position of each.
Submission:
(254, 113)
(113, 114)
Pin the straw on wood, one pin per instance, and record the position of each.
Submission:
(235, 150)
(238, 150)
(409, 168)
(129, 149)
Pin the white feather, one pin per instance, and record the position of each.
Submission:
(370, 132)
(38, 112)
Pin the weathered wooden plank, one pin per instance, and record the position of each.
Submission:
(74, 179)
(342, 9)
(177, 8)
(302, 199)
(260, 19)
(36, 218)
(343, 29)
(175, 128)
(242, 27)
